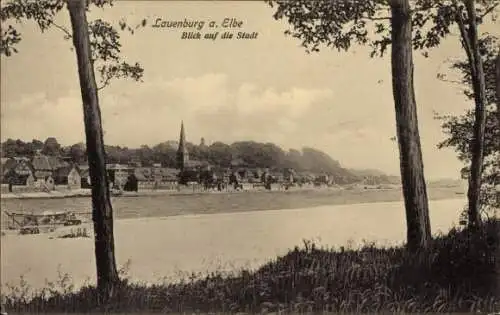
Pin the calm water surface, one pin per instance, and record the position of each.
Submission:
(164, 247)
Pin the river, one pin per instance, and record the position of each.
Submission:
(168, 246)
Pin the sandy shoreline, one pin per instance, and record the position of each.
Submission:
(87, 193)
(75, 194)
(145, 193)
(182, 203)
(81, 193)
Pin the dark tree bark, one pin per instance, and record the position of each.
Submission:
(102, 212)
(498, 88)
(470, 43)
(410, 153)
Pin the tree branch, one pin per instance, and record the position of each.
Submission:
(68, 34)
(425, 9)
(382, 18)
(489, 10)
(105, 83)
(465, 40)
(472, 36)
(444, 79)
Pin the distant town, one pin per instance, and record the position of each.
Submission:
(45, 166)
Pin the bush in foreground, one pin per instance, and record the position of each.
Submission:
(457, 274)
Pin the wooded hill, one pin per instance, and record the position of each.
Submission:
(238, 154)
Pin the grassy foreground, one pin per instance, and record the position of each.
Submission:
(459, 273)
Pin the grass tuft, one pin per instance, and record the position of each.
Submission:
(458, 273)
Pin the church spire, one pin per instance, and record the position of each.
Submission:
(182, 152)
(182, 138)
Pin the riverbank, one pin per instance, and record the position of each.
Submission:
(456, 274)
(162, 205)
(79, 193)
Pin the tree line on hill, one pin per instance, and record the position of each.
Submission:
(238, 154)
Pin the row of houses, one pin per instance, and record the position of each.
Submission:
(46, 172)
(42, 172)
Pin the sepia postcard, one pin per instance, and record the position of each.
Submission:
(284, 156)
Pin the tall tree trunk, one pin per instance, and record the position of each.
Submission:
(471, 46)
(102, 212)
(410, 153)
(498, 88)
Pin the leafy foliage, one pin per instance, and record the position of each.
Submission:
(104, 37)
(459, 132)
(459, 129)
(341, 23)
(335, 24)
(488, 49)
(51, 146)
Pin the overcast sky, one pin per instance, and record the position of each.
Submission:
(265, 89)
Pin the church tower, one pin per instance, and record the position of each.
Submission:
(182, 152)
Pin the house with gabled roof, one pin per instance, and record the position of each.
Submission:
(144, 177)
(45, 166)
(118, 174)
(15, 179)
(156, 177)
(68, 176)
(18, 173)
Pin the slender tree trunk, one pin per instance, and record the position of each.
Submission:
(102, 212)
(498, 88)
(410, 153)
(470, 40)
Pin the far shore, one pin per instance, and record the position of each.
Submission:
(159, 192)
(80, 193)
(168, 203)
